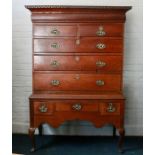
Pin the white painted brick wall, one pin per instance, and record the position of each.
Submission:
(22, 79)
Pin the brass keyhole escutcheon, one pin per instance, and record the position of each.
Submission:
(77, 76)
(78, 42)
(77, 58)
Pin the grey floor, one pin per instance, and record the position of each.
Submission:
(76, 145)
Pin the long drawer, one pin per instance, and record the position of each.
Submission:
(100, 30)
(78, 63)
(62, 82)
(85, 44)
(44, 107)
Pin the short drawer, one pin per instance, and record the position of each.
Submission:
(110, 108)
(77, 106)
(78, 63)
(85, 44)
(54, 30)
(43, 108)
(102, 30)
(62, 82)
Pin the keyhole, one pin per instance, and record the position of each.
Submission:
(78, 42)
(77, 76)
(77, 58)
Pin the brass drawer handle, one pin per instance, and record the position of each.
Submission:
(77, 106)
(55, 32)
(43, 108)
(99, 82)
(55, 63)
(111, 108)
(100, 32)
(100, 64)
(55, 45)
(55, 82)
(100, 46)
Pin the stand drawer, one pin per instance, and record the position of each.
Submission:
(102, 107)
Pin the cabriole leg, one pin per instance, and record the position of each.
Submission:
(121, 139)
(32, 137)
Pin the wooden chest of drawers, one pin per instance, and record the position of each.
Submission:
(77, 66)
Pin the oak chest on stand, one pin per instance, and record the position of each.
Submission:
(77, 66)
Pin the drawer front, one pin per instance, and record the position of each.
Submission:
(43, 108)
(62, 82)
(97, 30)
(54, 30)
(103, 107)
(75, 63)
(102, 30)
(86, 44)
(77, 106)
(110, 108)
